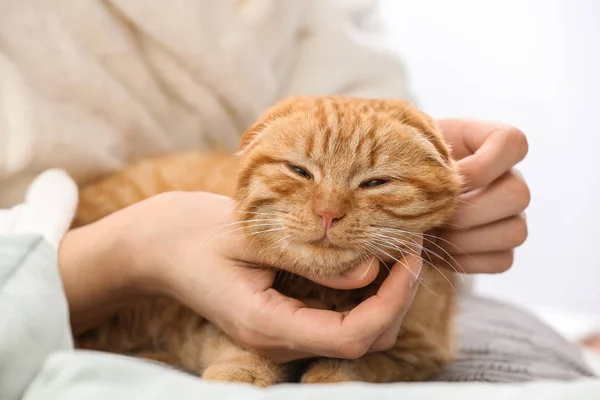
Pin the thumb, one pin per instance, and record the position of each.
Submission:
(359, 277)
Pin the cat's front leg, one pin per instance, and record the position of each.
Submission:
(415, 359)
(372, 368)
(331, 371)
(250, 369)
(217, 358)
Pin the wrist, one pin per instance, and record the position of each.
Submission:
(97, 272)
(127, 256)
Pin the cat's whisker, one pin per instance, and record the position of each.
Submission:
(455, 226)
(280, 240)
(263, 231)
(373, 251)
(419, 279)
(465, 202)
(276, 212)
(239, 223)
(263, 209)
(363, 256)
(428, 251)
(208, 212)
(413, 252)
(454, 265)
(286, 245)
(425, 250)
(405, 266)
(249, 225)
(247, 248)
(426, 236)
(273, 245)
(449, 243)
(281, 276)
(239, 229)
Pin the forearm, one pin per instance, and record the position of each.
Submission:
(97, 275)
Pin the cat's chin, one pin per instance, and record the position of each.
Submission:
(321, 259)
(324, 244)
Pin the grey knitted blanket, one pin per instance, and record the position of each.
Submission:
(498, 342)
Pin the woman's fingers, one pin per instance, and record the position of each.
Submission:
(384, 310)
(485, 150)
(503, 235)
(490, 222)
(389, 338)
(506, 197)
(325, 333)
(484, 263)
(292, 326)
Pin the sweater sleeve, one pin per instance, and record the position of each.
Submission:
(343, 50)
(16, 131)
(34, 321)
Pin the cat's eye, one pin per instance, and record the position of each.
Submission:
(373, 183)
(300, 171)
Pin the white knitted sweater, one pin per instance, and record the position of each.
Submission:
(89, 85)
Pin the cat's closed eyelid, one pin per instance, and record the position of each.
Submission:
(375, 182)
(300, 171)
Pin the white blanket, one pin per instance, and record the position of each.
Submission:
(68, 376)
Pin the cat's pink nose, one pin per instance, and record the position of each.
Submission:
(328, 218)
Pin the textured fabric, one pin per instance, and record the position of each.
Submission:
(498, 342)
(34, 319)
(47, 210)
(89, 85)
(89, 376)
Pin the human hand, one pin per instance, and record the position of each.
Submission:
(179, 252)
(490, 222)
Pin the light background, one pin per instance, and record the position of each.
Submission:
(534, 64)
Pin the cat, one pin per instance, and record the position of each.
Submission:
(342, 176)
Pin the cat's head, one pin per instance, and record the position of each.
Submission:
(327, 181)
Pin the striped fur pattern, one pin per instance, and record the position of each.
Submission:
(379, 166)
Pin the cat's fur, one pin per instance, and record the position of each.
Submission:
(341, 143)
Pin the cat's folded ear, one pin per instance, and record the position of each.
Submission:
(416, 118)
(252, 135)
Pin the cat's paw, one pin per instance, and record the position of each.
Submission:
(330, 371)
(257, 375)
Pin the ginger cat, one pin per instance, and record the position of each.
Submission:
(343, 178)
